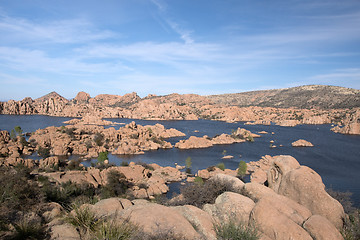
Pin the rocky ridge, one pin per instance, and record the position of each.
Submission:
(302, 97)
(193, 107)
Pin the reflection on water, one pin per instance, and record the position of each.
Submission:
(334, 156)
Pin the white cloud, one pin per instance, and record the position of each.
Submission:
(348, 73)
(185, 34)
(63, 31)
(24, 60)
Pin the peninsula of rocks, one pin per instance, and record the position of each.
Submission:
(314, 104)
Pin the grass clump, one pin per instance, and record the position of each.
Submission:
(28, 230)
(235, 230)
(116, 231)
(83, 219)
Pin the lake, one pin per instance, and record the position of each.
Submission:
(335, 157)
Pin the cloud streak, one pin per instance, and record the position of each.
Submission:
(63, 31)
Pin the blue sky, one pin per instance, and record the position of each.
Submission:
(184, 46)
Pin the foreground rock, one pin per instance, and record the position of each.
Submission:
(304, 186)
(281, 211)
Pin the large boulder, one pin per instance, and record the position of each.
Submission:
(235, 184)
(64, 231)
(108, 207)
(82, 97)
(155, 218)
(321, 229)
(281, 165)
(305, 186)
(275, 224)
(230, 206)
(200, 219)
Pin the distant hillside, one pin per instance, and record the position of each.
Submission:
(310, 96)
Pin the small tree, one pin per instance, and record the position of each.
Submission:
(250, 138)
(18, 130)
(188, 162)
(242, 168)
(44, 152)
(221, 166)
(102, 157)
(13, 134)
(188, 165)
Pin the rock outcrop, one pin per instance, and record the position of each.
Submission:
(351, 124)
(238, 136)
(145, 182)
(186, 107)
(305, 186)
(277, 212)
(302, 143)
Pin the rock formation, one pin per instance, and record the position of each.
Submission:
(302, 143)
(283, 210)
(191, 107)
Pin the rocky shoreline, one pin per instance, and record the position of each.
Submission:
(179, 107)
(276, 199)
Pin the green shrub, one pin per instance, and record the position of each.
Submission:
(18, 130)
(250, 138)
(242, 168)
(344, 198)
(23, 141)
(13, 135)
(116, 185)
(74, 164)
(158, 140)
(200, 194)
(17, 192)
(44, 152)
(68, 192)
(351, 229)
(199, 180)
(188, 162)
(98, 138)
(145, 165)
(70, 132)
(102, 157)
(235, 230)
(221, 166)
(124, 164)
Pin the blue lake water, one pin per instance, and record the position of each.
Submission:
(335, 157)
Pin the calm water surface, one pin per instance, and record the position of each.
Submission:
(335, 157)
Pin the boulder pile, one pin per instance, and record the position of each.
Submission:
(295, 205)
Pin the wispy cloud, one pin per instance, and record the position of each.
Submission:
(62, 31)
(353, 73)
(185, 34)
